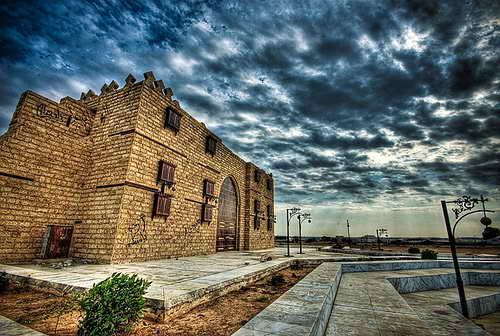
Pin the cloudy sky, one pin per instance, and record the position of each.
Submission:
(367, 110)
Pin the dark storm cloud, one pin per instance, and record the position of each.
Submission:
(356, 142)
(342, 101)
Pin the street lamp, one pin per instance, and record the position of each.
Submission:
(463, 204)
(302, 218)
(289, 215)
(348, 234)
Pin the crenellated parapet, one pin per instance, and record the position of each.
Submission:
(149, 80)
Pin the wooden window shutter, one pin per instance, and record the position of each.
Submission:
(206, 213)
(269, 184)
(256, 176)
(162, 205)
(208, 188)
(256, 206)
(211, 145)
(270, 217)
(173, 119)
(256, 221)
(166, 172)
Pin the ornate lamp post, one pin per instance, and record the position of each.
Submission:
(289, 215)
(302, 218)
(463, 204)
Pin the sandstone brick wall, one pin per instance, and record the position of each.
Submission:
(98, 173)
(103, 191)
(182, 233)
(42, 168)
(259, 236)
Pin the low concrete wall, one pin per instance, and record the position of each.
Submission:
(212, 286)
(412, 284)
(303, 310)
(480, 306)
(350, 267)
(216, 288)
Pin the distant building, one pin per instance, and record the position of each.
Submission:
(126, 175)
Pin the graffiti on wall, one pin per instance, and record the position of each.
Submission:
(79, 123)
(137, 231)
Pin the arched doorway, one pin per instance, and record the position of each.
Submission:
(227, 218)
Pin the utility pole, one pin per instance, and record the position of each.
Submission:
(348, 234)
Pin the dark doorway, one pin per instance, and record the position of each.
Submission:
(59, 241)
(227, 216)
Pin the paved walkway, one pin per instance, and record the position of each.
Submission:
(12, 328)
(178, 283)
(363, 299)
(368, 303)
(364, 294)
(433, 307)
(303, 310)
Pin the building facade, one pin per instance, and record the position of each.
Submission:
(126, 175)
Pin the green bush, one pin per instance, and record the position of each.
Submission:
(262, 298)
(4, 282)
(429, 254)
(277, 280)
(490, 232)
(295, 266)
(413, 249)
(113, 305)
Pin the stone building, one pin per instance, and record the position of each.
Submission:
(126, 175)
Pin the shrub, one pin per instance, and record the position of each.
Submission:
(262, 298)
(429, 254)
(295, 266)
(21, 284)
(277, 280)
(413, 249)
(4, 282)
(490, 232)
(114, 305)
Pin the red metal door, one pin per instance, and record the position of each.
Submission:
(227, 216)
(59, 241)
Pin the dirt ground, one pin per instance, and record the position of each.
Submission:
(53, 314)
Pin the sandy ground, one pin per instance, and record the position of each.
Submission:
(52, 314)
